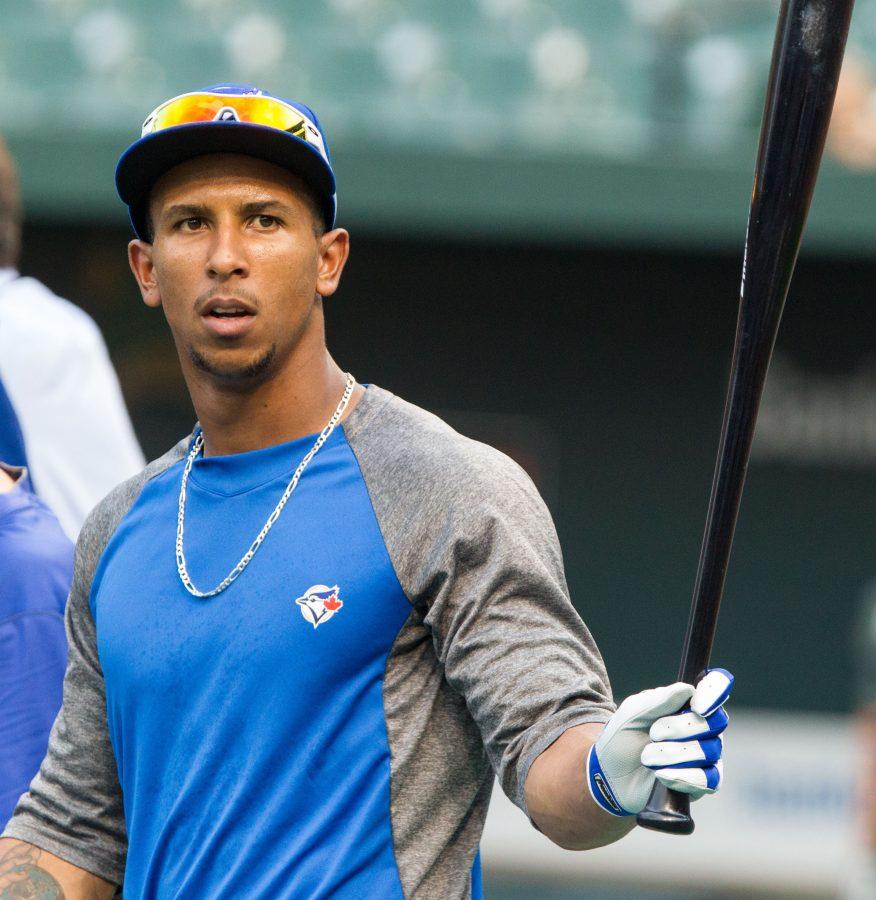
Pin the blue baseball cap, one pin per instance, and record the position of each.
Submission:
(226, 118)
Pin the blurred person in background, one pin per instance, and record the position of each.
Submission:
(852, 135)
(61, 409)
(36, 564)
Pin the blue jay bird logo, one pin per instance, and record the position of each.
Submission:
(319, 603)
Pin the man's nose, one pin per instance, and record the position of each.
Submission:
(227, 254)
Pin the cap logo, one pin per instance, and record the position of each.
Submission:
(226, 114)
(319, 603)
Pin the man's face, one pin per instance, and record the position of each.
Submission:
(238, 265)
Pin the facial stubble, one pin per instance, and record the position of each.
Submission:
(255, 372)
(251, 373)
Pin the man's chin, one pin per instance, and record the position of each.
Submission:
(235, 371)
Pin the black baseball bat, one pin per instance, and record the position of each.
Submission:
(807, 55)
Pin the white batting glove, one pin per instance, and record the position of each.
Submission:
(669, 733)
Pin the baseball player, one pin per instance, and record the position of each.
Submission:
(305, 641)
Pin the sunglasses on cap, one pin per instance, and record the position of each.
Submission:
(252, 109)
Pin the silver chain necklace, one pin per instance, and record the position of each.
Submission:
(245, 559)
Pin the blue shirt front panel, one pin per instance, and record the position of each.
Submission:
(249, 728)
(36, 565)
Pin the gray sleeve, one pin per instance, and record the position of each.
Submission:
(475, 548)
(506, 632)
(73, 808)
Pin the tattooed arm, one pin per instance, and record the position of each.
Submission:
(28, 873)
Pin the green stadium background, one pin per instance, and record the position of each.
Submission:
(547, 204)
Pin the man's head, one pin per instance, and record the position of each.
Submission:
(235, 237)
(239, 261)
(10, 211)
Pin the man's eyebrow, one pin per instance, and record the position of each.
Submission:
(256, 207)
(184, 210)
(253, 208)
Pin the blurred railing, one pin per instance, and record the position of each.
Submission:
(610, 118)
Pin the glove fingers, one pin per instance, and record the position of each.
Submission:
(695, 782)
(640, 710)
(689, 726)
(664, 754)
(712, 692)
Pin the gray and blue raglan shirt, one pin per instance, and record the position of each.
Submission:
(329, 725)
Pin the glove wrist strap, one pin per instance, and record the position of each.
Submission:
(600, 789)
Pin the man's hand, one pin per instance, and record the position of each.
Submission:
(652, 735)
(669, 733)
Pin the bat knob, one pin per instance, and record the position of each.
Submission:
(667, 811)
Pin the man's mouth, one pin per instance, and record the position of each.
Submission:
(227, 307)
(228, 317)
(227, 312)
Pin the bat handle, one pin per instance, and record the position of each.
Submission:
(667, 811)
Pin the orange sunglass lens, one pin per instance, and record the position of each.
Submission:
(206, 108)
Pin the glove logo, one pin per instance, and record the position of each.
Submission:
(319, 603)
(603, 789)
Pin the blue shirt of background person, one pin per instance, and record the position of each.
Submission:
(36, 566)
(11, 438)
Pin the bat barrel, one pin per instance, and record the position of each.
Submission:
(807, 56)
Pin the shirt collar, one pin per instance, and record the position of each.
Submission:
(7, 275)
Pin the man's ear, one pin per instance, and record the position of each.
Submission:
(334, 248)
(140, 260)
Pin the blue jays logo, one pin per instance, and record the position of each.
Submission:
(319, 603)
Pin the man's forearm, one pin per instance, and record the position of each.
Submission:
(28, 871)
(559, 800)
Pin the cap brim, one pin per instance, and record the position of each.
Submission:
(145, 161)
